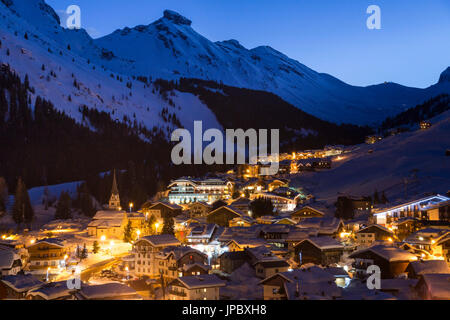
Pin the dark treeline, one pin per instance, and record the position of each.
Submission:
(245, 108)
(424, 111)
(45, 146)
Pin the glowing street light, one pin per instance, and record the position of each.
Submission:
(138, 233)
(103, 238)
(131, 206)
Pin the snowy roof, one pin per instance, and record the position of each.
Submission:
(241, 201)
(240, 241)
(21, 282)
(53, 241)
(169, 205)
(52, 290)
(106, 223)
(375, 226)
(438, 285)
(324, 243)
(7, 258)
(161, 240)
(273, 264)
(300, 234)
(230, 208)
(261, 253)
(325, 225)
(189, 266)
(244, 232)
(429, 266)
(202, 231)
(428, 235)
(313, 275)
(200, 281)
(110, 291)
(388, 253)
(178, 252)
(109, 215)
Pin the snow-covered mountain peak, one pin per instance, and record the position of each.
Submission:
(34, 11)
(176, 18)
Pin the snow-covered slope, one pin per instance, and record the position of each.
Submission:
(404, 166)
(65, 77)
(170, 48)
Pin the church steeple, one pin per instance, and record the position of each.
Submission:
(114, 201)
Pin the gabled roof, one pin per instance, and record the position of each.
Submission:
(323, 243)
(200, 281)
(384, 229)
(21, 282)
(169, 205)
(51, 241)
(229, 208)
(429, 266)
(52, 290)
(178, 252)
(438, 285)
(273, 264)
(240, 241)
(319, 210)
(241, 201)
(388, 253)
(161, 240)
(107, 291)
(312, 274)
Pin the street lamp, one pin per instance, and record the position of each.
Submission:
(131, 206)
(138, 233)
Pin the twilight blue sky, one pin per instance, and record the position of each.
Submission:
(412, 48)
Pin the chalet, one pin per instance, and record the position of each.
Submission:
(194, 269)
(368, 235)
(265, 269)
(242, 204)
(418, 268)
(242, 221)
(392, 261)
(297, 235)
(283, 198)
(223, 215)
(10, 261)
(232, 260)
(404, 227)
(107, 291)
(284, 220)
(230, 233)
(161, 209)
(145, 250)
(138, 222)
(109, 224)
(307, 211)
(199, 209)
(47, 253)
(434, 286)
(51, 291)
(202, 287)
(304, 283)
(17, 286)
(318, 250)
(424, 125)
(170, 261)
(327, 226)
(266, 219)
(201, 233)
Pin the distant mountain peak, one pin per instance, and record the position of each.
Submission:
(445, 76)
(176, 18)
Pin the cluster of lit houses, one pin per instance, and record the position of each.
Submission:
(301, 251)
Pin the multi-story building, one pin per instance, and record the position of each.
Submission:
(187, 190)
(146, 248)
(171, 261)
(46, 253)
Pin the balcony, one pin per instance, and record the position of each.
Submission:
(177, 293)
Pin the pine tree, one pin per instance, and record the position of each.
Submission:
(26, 36)
(168, 227)
(63, 207)
(95, 247)
(376, 198)
(151, 224)
(84, 253)
(128, 233)
(384, 199)
(22, 210)
(78, 252)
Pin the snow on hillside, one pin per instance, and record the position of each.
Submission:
(170, 48)
(96, 87)
(405, 166)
